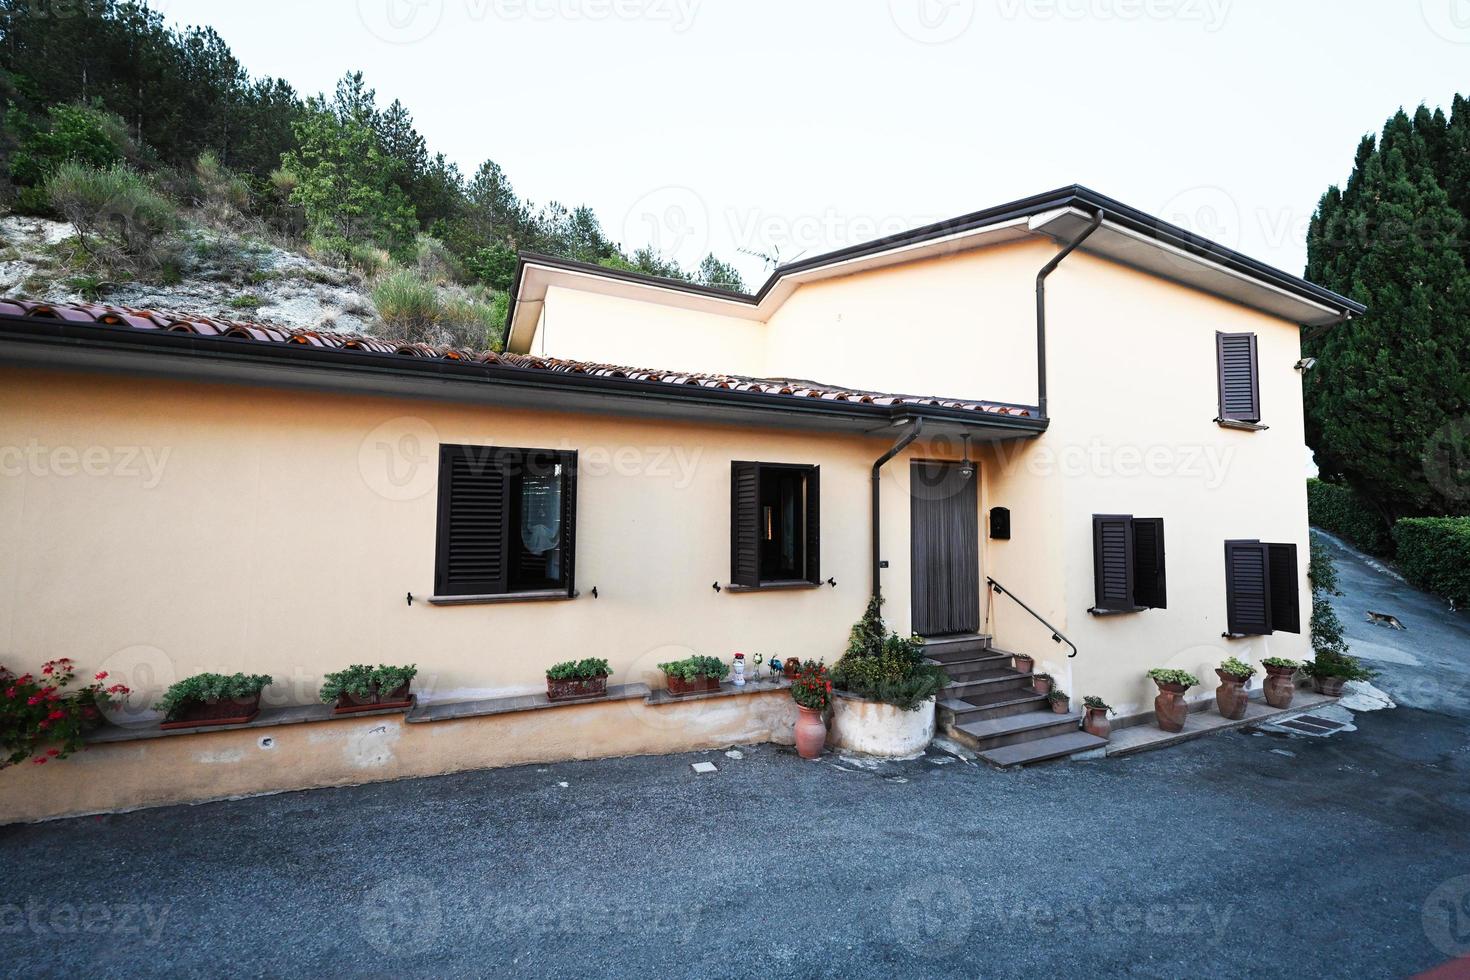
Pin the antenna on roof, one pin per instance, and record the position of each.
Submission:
(772, 260)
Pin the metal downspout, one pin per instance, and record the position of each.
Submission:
(1047, 270)
(898, 447)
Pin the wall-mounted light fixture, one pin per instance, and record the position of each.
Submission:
(967, 468)
(1305, 364)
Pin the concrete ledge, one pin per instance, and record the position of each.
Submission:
(293, 714)
(452, 710)
(727, 689)
(1141, 738)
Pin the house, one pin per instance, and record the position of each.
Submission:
(1058, 427)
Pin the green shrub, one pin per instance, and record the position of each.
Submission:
(468, 322)
(1336, 508)
(118, 216)
(1096, 703)
(696, 667)
(1281, 662)
(407, 304)
(210, 687)
(1057, 694)
(1165, 675)
(494, 265)
(246, 301)
(886, 667)
(1434, 553)
(578, 670)
(362, 681)
(1237, 668)
(73, 133)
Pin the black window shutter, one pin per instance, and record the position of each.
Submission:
(569, 517)
(1286, 613)
(474, 519)
(745, 507)
(814, 524)
(1148, 562)
(1240, 393)
(1247, 588)
(1112, 562)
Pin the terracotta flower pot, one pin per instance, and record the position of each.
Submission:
(1024, 663)
(1041, 685)
(1280, 686)
(1330, 686)
(378, 700)
(792, 668)
(1231, 698)
(1096, 722)
(1062, 706)
(811, 733)
(578, 689)
(1170, 709)
(700, 685)
(229, 711)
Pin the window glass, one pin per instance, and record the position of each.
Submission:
(537, 554)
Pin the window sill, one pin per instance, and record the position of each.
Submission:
(775, 586)
(546, 595)
(1094, 611)
(1241, 636)
(1243, 426)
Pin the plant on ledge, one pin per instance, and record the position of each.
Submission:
(212, 699)
(1231, 699)
(1166, 675)
(37, 710)
(1170, 708)
(1059, 701)
(1095, 721)
(694, 674)
(883, 666)
(573, 680)
(1280, 685)
(1237, 668)
(363, 688)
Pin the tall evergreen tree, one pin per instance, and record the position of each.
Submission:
(1386, 406)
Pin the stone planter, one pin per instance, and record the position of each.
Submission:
(1170, 708)
(1280, 686)
(1095, 722)
(880, 729)
(1231, 698)
(1330, 686)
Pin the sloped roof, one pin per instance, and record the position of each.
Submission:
(234, 331)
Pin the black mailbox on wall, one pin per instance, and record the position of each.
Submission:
(1000, 523)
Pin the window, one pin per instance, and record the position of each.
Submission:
(506, 521)
(1127, 563)
(1237, 372)
(775, 536)
(1261, 588)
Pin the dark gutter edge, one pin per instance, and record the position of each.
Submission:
(877, 501)
(95, 337)
(1075, 194)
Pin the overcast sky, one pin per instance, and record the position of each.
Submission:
(805, 125)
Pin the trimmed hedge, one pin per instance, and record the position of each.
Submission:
(1336, 508)
(1434, 552)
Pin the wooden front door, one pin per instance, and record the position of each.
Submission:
(945, 548)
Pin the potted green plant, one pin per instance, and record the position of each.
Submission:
(1330, 670)
(37, 710)
(694, 675)
(1023, 662)
(212, 699)
(1095, 720)
(1231, 698)
(1280, 685)
(812, 692)
(577, 680)
(364, 688)
(1041, 683)
(1170, 708)
(1059, 701)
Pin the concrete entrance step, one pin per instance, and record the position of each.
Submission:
(944, 648)
(993, 704)
(1055, 747)
(1001, 679)
(993, 733)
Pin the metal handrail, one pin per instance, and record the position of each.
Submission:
(1056, 634)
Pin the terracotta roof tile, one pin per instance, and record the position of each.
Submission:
(203, 326)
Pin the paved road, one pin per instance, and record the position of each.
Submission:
(1221, 857)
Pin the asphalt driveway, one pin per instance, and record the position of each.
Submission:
(1244, 854)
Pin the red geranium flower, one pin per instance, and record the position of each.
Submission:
(102, 675)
